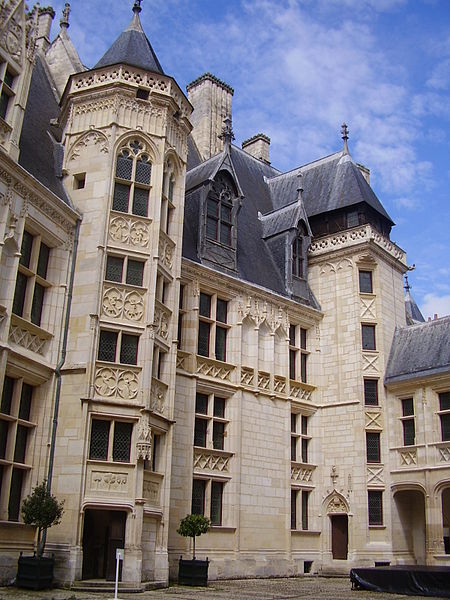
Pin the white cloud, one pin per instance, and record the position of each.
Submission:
(434, 304)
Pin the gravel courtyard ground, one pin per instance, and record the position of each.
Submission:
(315, 588)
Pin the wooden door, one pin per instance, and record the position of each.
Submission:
(114, 538)
(339, 536)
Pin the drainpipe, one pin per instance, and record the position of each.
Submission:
(62, 359)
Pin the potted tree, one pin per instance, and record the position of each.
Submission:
(194, 571)
(42, 510)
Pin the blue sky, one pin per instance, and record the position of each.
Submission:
(299, 69)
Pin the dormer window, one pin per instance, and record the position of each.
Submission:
(218, 218)
(132, 183)
(298, 252)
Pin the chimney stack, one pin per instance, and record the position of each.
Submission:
(211, 99)
(46, 16)
(258, 146)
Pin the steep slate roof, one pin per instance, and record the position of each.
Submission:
(329, 184)
(255, 262)
(413, 314)
(419, 350)
(132, 48)
(41, 154)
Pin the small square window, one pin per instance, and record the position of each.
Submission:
(142, 94)
(365, 282)
(368, 337)
(371, 392)
(79, 181)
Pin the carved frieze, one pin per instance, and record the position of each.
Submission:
(373, 420)
(122, 303)
(370, 363)
(247, 376)
(345, 239)
(408, 457)
(12, 28)
(299, 392)
(336, 504)
(375, 475)
(117, 382)
(107, 481)
(151, 491)
(444, 454)
(211, 461)
(263, 380)
(260, 311)
(91, 138)
(301, 473)
(28, 339)
(162, 321)
(367, 308)
(130, 231)
(144, 442)
(166, 250)
(158, 395)
(211, 368)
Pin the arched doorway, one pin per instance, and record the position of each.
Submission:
(103, 533)
(408, 526)
(337, 511)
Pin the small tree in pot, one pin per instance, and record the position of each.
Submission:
(42, 510)
(193, 572)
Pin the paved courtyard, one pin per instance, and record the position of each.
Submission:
(315, 588)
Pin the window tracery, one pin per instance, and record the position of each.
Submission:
(132, 179)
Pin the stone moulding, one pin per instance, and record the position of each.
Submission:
(355, 236)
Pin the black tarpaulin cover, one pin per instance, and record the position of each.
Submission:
(411, 580)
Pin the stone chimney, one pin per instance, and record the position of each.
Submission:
(258, 146)
(46, 16)
(211, 99)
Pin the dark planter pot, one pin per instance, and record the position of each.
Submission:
(35, 573)
(193, 572)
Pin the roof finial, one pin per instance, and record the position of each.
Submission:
(299, 186)
(64, 21)
(344, 132)
(407, 286)
(137, 6)
(227, 134)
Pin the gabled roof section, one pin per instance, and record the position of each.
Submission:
(41, 152)
(285, 218)
(413, 314)
(331, 183)
(132, 48)
(419, 350)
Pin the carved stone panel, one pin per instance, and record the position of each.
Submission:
(108, 481)
(129, 230)
(208, 460)
(120, 302)
(116, 382)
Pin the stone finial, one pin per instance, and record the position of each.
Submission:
(299, 185)
(137, 6)
(407, 286)
(344, 133)
(227, 134)
(64, 21)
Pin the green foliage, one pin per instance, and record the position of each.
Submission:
(193, 526)
(42, 510)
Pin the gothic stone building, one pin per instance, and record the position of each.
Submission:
(184, 328)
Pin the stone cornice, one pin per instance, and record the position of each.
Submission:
(19, 181)
(348, 240)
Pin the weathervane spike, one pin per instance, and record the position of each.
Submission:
(344, 133)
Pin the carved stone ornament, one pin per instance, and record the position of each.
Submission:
(129, 231)
(91, 138)
(336, 505)
(12, 28)
(120, 383)
(144, 443)
(122, 303)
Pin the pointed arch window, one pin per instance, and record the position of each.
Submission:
(132, 179)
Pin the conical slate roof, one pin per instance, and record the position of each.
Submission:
(132, 48)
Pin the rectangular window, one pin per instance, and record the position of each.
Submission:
(375, 502)
(15, 436)
(297, 257)
(110, 440)
(212, 329)
(6, 89)
(297, 353)
(305, 516)
(299, 438)
(373, 450)
(181, 313)
(408, 423)
(198, 497)
(368, 337)
(294, 509)
(444, 415)
(31, 282)
(200, 431)
(216, 502)
(109, 343)
(117, 266)
(365, 282)
(210, 423)
(371, 392)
